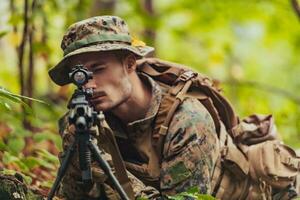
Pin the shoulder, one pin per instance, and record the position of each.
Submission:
(191, 124)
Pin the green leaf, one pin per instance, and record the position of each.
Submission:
(4, 93)
(47, 135)
(193, 193)
(18, 98)
(16, 145)
(141, 198)
(177, 197)
(48, 156)
(39, 137)
(3, 33)
(27, 179)
(31, 162)
(15, 98)
(9, 158)
(2, 145)
(40, 47)
(4, 105)
(22, 166)
(205, 197)
(7, 106)
(15, 19)
(29, 98)
(8, 172)
(46, 164)
(21, 132)
(47, 184)
(193, 190)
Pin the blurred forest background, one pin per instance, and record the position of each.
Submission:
(251, 47)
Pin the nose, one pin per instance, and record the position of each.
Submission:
(90, 84)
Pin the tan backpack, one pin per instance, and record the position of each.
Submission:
(253, 163)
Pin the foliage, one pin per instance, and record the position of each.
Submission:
(34, 167)
(192, 193)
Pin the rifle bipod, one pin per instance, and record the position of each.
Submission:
(86, 150)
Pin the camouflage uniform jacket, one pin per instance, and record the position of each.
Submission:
(189, 154)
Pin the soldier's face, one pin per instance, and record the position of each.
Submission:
(111, 82)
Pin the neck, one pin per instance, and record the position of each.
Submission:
(137, 105)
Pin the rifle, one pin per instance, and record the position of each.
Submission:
(84, 117)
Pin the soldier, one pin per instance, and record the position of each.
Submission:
(131, 102)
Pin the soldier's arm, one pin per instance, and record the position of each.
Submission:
(190, 150)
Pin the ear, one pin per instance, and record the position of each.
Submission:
(130, 63)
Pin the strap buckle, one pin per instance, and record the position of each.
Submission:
(187, 75)
(163, 130)
(224, 151)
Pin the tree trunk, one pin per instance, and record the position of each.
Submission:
(21, 48)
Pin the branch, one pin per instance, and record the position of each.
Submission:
(296, 7)
(265, 87)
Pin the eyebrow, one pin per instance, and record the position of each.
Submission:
(96, 64)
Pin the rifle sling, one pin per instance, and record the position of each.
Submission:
(120, 169)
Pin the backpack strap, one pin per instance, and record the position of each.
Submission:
(168, 106)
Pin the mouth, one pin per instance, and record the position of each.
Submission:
(97, 96)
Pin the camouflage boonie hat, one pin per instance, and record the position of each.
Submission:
(101, 33)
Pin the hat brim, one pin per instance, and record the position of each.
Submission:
(60, 72)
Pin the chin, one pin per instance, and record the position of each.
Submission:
(109, 105)
(104, 106)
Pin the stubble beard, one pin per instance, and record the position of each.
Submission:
(109, 105)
